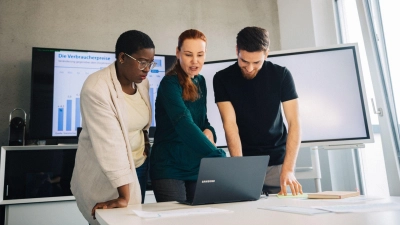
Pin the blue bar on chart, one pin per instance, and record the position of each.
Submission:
(60, 119)
(158, 61)
(77, 113)
(152, 103)
(69, 114)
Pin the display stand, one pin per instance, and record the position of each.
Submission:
(313, 172)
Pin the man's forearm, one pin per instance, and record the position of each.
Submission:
(231, 129)
(233, 141)
(292, 148)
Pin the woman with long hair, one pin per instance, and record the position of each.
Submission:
(183, 135)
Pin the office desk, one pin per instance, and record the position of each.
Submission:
(248, 213)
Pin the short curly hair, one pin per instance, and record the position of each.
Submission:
(132, 41)
(252, 39)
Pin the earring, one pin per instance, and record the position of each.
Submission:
(122, 62)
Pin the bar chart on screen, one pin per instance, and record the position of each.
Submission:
(66, 116)
(70, 72)
(155, 76)
(71, 69)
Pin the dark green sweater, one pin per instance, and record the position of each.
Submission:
(179, 142)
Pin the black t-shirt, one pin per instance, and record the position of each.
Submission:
(257, 104)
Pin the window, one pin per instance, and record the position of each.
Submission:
(390, 47)
(372, 160)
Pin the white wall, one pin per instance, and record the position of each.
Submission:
(306, 23)
(296, 24)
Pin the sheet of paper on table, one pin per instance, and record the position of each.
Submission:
(297, 210)
(361, 198)
(179, 212)
(373, 207)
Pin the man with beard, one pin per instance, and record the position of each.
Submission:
(249, 95)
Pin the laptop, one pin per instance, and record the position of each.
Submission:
(230, 179)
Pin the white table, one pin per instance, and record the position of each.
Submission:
(249, 213)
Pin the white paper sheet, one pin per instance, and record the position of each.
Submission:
(297, 210)
(360, 207)
(361, 198)
(179, 212)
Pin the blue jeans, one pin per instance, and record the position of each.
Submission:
(142, 174)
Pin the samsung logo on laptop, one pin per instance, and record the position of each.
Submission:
(208, 181)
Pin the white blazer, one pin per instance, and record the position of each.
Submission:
(104, 158)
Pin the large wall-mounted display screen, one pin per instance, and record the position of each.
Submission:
(57, 79)
(332, 99)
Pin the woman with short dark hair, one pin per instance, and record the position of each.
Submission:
(113, 145)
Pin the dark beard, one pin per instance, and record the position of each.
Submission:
(246, 76)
